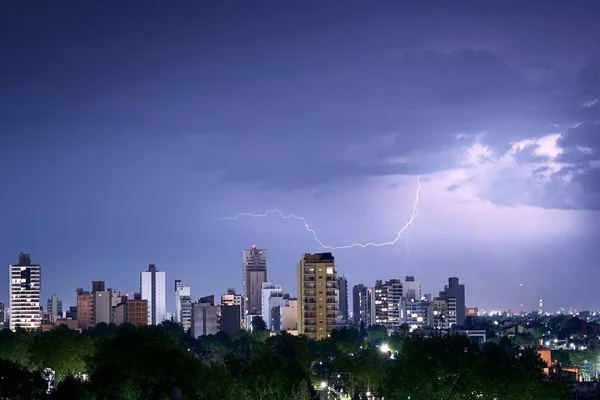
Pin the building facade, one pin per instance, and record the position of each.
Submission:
(343, 314)
(205, 317)
(271, 297)
(231, 298)
(85, 308)
(411, 289)
(152, 289)
(181, 291)
(255, 273)
(54, 308)
(24, 294)
(361, 305)
(456, 291)
(317, 297)
(102, 307)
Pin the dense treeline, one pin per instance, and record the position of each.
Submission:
(148, 362)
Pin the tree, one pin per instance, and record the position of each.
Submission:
(15, 346)
(347, 340)
(376, 334)
(18, 383)
(62, 349)
(258, 324)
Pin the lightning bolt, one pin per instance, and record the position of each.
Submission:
(413, 216)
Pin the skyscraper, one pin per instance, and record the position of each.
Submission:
(152, 288)
(342, 284)
(24, 294)
(411, 289)
(272, 296)
(317, 300)
(180, 291)
(362, 304)
(54, 308)
(255, 273)
(454, 290)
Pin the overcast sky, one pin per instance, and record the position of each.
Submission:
(127, 127)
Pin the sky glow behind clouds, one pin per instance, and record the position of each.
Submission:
(127, 129)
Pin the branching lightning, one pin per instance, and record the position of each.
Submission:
(413, 216)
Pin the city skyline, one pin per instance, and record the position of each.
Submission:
(124, 138)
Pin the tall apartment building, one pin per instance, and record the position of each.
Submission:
(54, 308)
(457, 291)
(181, 291)
(231, 298)
(342, 284)
(102, 307)
(24, 294)
(411, 289)
(272, 296)
(417, 314)
(317, 299)
(255, 273)
(2, 316)
(362, 304)
(153, 289)
(85, 309)
(388, 303)
(133, 311)
(205, 317)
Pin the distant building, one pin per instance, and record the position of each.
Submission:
(289, 315)
(2, 316)
(185, 312)
(24, 294)
(472, 311)
(230, 318)
(152, 289)
(342, 284)
(133, 311)
(444, 311)
(456, 291)
(205, 317)
(102, 307)
(85, 301)
(54, 308)
(181, 291)
(388, 303)
(72, 313)
(317, 298)
(411, 289)
(255, 273)
(417, 314)
(231, 298)
(137, 310)
(98, 286)
(361, 305)
(272, 296)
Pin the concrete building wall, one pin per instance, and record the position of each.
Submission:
(205, 319)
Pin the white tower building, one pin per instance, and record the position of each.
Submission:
(152, 288)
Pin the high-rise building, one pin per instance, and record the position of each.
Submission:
(205, 317)
(457, 291)
(185, 312)
(137, 310)
(272, 296)
(417, 313)
(255, 273)
(181, 291)
(85, 309)
(24, 294)
(361, 305)
(317, 299)
(54, 308)
(98, 286)
(388, 303)
(152, 288)
(231, 298)
(342, 284)
(102, 307)
(2, 316)
(411, 289)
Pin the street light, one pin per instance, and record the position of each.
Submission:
(323, 384)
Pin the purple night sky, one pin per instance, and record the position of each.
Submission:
(128, 127)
